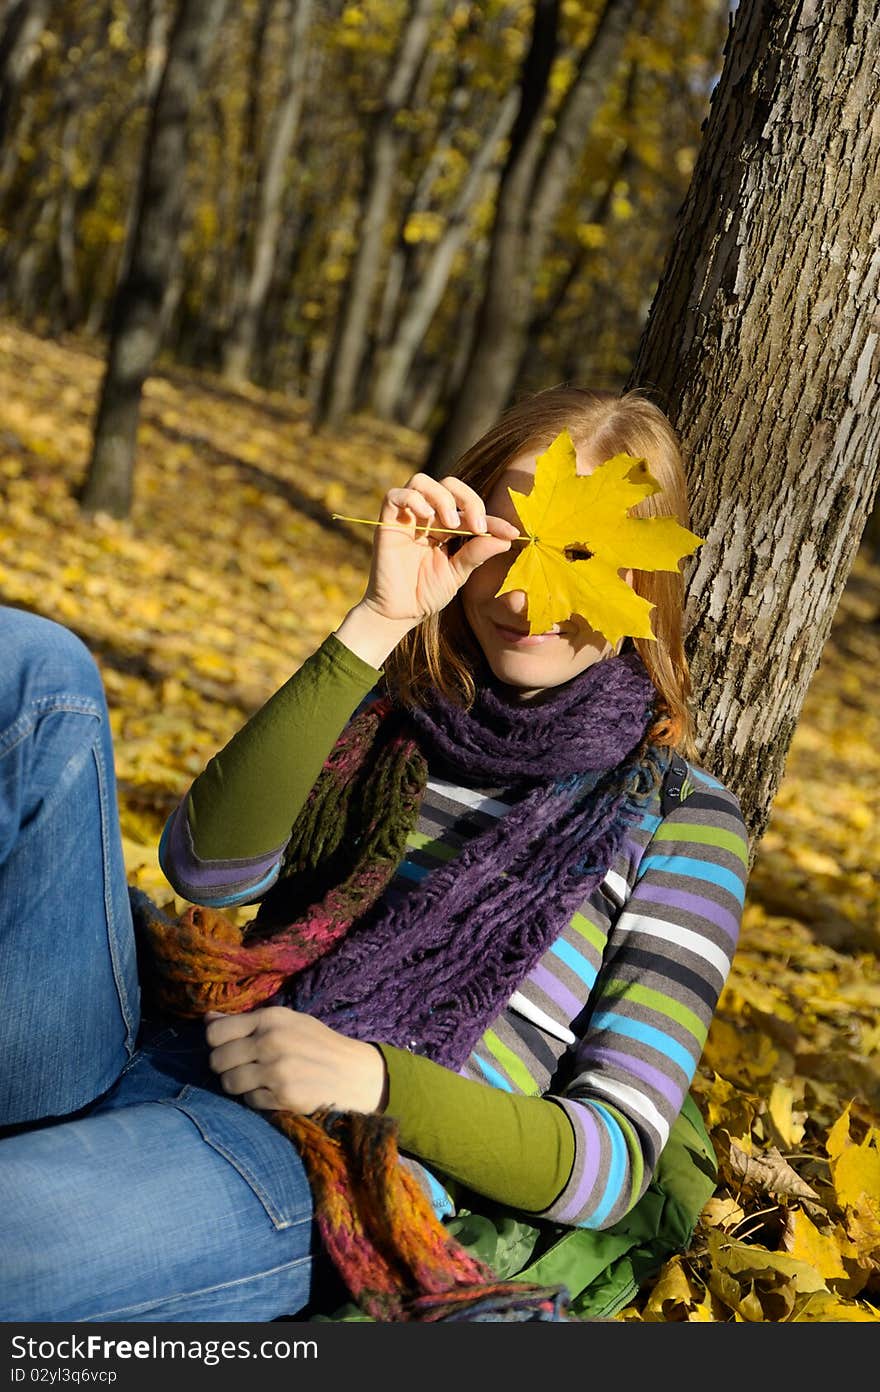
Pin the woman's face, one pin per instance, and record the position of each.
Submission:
(531, 665)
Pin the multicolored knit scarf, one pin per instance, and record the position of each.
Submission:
(431, 973)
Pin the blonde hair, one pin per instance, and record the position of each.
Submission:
(443, 653)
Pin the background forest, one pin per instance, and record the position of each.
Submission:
(300, 284)
(286, 130)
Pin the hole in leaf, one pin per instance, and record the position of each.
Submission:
(577, 553)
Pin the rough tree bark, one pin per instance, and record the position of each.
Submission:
(762, 345)
(338, 388)
(136, 324)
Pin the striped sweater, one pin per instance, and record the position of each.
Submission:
(611, 1022)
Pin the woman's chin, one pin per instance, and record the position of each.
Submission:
(528, 677)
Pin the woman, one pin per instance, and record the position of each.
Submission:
(501, 921)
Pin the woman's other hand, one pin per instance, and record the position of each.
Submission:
(275, 1059)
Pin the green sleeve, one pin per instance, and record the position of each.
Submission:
(248, 796)
(514, 1149)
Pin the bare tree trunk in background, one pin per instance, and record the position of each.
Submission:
(871, 534)
(458, 113)
(532, 188)
(425, 299)
(596, 211)
(155, 60)
(137, 312)
(583, 99)
(399, 274)
(67, 221)
(23, 21)
(336, 399)
(238, 350)
(242, 186)
(431, 387)
(503, 279)
(762, 345)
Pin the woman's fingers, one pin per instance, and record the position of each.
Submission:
(453, 503)
(262, 1100)
(471, 507)
(475, 552)
(221, 1028)
(245, 1078)
(439, 534)
(439, 498)
(233, 1054)
(398, 500)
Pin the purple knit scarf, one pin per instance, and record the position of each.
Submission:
(431, 973)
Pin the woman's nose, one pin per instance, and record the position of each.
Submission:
(515, 601)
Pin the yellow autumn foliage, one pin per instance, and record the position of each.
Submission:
(581, 535)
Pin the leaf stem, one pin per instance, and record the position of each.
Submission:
(404, 527)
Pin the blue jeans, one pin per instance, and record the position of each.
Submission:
(131, 1186)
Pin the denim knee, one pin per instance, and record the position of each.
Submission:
(53, 713)
(43, 658)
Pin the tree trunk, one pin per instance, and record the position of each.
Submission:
(871, 534)
(762, 345)
(135, 332)
(583, 99)
(597, 210)
(532, 187)
(380, 168)
(246, 181)
(457, 108)
(23, 23)
(425, 299)
(438, 382)
(71, 299)
(238, 353)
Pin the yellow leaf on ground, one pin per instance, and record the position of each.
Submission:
(759, 1285)
(808, 1244)
(855, 1168)
(676, 1297)
(781, 1107)
(722, 1213)
(824, 1306)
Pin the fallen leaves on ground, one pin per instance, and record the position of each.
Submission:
(231, 570)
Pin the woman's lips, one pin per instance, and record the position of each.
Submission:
(518, 639)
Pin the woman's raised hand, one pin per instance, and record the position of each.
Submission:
(416, 572)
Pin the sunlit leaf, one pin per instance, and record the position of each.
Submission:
(581, 536)
(808, 1244)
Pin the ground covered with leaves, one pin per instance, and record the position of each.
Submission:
(231, 570)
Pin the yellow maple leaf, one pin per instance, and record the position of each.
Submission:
(677, 1298)
(580, 537)
(855, 1168)
(806, 1243)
